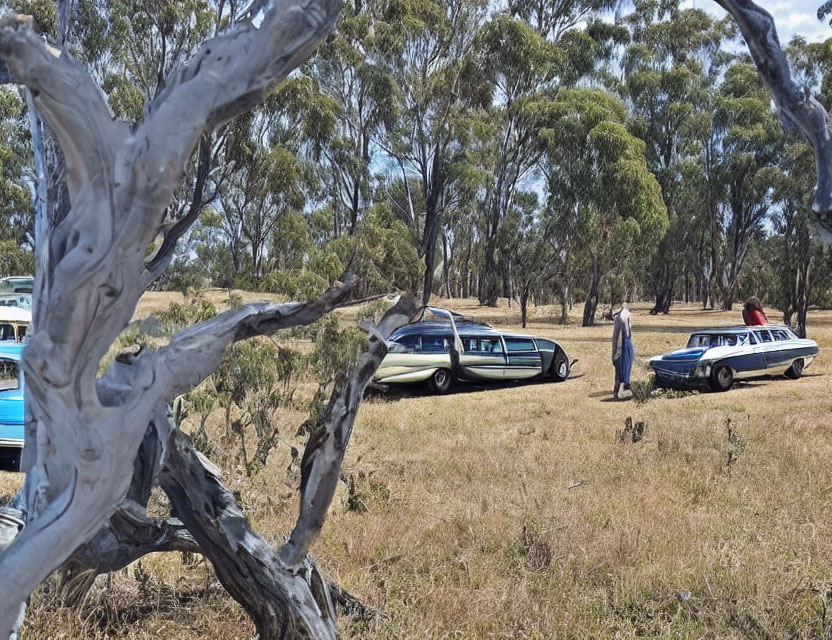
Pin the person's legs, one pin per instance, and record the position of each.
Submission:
(617, 385)
(627, 357)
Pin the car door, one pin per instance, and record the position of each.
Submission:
(782, 352)
(524, 359)
(766, 348)
(482, 358)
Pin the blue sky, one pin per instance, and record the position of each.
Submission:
(792, 17)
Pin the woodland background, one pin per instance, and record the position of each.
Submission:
(575, 151)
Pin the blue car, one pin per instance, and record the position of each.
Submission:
(11, 404)
(718, 357)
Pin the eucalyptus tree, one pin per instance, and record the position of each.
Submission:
(796, 106)
(597, 178)
(422, 45)
(802, 265)
(526, 236)
(751, 140)
(669, 71)
(516, 62)
(357, 99)
(16, 174)
(523, 64)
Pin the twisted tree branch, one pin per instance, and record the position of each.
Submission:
(196, 352)
(758, 29)
(328, 440)
(84, 432)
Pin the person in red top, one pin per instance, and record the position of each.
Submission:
(753, 314)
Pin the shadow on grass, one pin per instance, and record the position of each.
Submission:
(418, 390)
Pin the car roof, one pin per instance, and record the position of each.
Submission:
(740, 329)
(465, 330)
(433, 328)
(14, 314)
(11, 349)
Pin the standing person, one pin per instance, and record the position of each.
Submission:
(753, 314)
(622, 348)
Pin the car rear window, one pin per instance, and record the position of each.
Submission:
(519, 344)
(545, 345)
(9, 375)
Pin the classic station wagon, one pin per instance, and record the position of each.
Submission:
(11, 404)
(449, 347)
(717, 357)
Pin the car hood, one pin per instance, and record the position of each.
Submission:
(694, 354)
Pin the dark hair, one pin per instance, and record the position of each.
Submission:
(753, 304)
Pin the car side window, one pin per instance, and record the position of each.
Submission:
(491, 345)
(436, 344)
(763, 336)
(514, 345)
(411, 343)
(9, 375)
(699, 340)
(779, 334)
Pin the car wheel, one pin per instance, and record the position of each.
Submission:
(559, 369)
(441, 381)
(722, 378)
(796, 370)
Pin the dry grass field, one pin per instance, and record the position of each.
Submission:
(514, 512)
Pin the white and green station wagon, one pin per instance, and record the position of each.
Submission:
(448, 348)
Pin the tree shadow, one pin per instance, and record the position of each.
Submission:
(394, 393)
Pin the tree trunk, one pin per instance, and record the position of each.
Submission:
(490, 289)
(565, 296)
(592, 295)
(84, 428)
(524, 305)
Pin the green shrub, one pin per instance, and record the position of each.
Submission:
(642, 390)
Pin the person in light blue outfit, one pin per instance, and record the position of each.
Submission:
(623, 353)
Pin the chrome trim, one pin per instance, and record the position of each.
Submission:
(11, 443)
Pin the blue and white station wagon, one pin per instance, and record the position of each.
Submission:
(11, 404)
(718, 357)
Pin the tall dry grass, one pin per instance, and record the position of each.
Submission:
(515, 512)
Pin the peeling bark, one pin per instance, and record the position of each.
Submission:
(84, 432)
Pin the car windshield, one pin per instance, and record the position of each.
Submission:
(9, 376)
(708, 340)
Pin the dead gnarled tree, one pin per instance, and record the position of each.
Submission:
(84, 431)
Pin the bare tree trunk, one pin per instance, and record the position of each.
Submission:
(592, 295)
(524, 304)
(84, 429)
